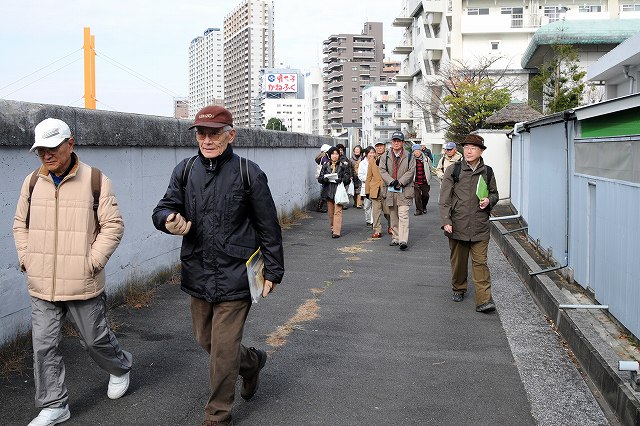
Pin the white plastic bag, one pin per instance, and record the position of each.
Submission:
(341, 196)
(351, 190)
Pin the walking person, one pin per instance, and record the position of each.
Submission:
(369, 158)
(421, 180)
(464, 214)
(320, 159)
(397, 168)
(373, 190)
(222, 207)
(339, 171)
(451, 155)
(381, 148)
(356, 157)
(67, 226)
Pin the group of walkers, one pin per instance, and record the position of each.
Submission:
(390, 180)
(68, 224)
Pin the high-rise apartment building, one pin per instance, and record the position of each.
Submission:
(206, 71)
(378, 105)
(248, 47)
(352, 61)
(437, 33)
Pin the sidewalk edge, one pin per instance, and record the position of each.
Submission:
(547, 295)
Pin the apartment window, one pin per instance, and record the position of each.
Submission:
(631, 7)
(589, 8)
(552, 12)
(354, 78)
(511, 10)
(354, 68)
(495, 45)
(478, 11)
(354, 100)
(354, 89)
(354, 110)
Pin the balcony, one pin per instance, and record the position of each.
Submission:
(403, 77)
(403, 49)
(386, 126)
(381, 113)
(399, 118)
(402, 21)
(363, 55)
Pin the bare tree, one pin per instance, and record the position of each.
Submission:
(460, 97)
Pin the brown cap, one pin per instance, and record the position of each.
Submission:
(474, 140)
(213, 116)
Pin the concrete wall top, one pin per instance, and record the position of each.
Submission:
(108, 128)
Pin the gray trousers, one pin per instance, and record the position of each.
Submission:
(89, 317)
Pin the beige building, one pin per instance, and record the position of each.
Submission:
(352, 61)
(180, 108)
(248, 47)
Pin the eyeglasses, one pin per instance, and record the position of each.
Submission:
(41, 152)
(213, 133)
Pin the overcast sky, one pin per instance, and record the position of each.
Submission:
(41, 58)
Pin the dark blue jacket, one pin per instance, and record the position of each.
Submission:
(227, 226)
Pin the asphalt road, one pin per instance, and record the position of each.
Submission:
(359, 333)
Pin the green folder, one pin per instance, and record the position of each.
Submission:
(482, 191)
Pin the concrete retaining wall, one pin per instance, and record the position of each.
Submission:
(138, 153)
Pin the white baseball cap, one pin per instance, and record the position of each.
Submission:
(50, 133)
(325, 147)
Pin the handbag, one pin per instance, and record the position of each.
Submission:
(341, 196)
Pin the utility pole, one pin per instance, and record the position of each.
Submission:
(89, 69)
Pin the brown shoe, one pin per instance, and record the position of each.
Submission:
(389, 231)
(250, 384)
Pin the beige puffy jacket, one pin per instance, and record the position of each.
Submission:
(63, 251)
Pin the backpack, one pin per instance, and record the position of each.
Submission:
(244, 173)
(458, 166)
(96, 188)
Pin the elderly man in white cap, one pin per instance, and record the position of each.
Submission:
(67, 226)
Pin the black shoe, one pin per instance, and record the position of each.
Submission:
(403, 246)
(335, 236)
(417, 213)
(250, 384)
(458, 297)
(393, 243)
(486, 307)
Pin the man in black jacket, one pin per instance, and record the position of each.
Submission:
(223, 209)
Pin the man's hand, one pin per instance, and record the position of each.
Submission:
(268, 287)
(177, 225)
(448, 229)
(484, 203)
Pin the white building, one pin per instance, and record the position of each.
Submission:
(314, 91)
(206, 71)
(281, 96)
(379, 103)
(248, 47)
(436, 33)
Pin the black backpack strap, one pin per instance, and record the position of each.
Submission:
(186, 172)
(96, 186)
(489, 173)
(244, 175)
(456, 171)
(32, 184)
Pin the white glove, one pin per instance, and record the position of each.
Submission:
(177, 225)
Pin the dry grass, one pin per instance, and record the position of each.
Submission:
(15, 355)
(305, 312)
(353, 250)
(290, 220)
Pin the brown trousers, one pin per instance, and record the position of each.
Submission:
(460, 251)
(218, 330)
(334, 211)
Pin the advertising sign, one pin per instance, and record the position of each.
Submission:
(281, 83)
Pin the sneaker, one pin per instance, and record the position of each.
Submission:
(457, 297)
(51, 416)
(403, 246)
(393, 243)
(250, 384)
(118, 385)
(486, 307)
(376, 235)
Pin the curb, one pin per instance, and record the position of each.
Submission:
(591, 351)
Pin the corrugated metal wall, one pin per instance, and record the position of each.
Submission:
(603, 214)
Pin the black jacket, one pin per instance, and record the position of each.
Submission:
(344, 175)
(227, 226)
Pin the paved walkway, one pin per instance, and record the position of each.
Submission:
(359, 333)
